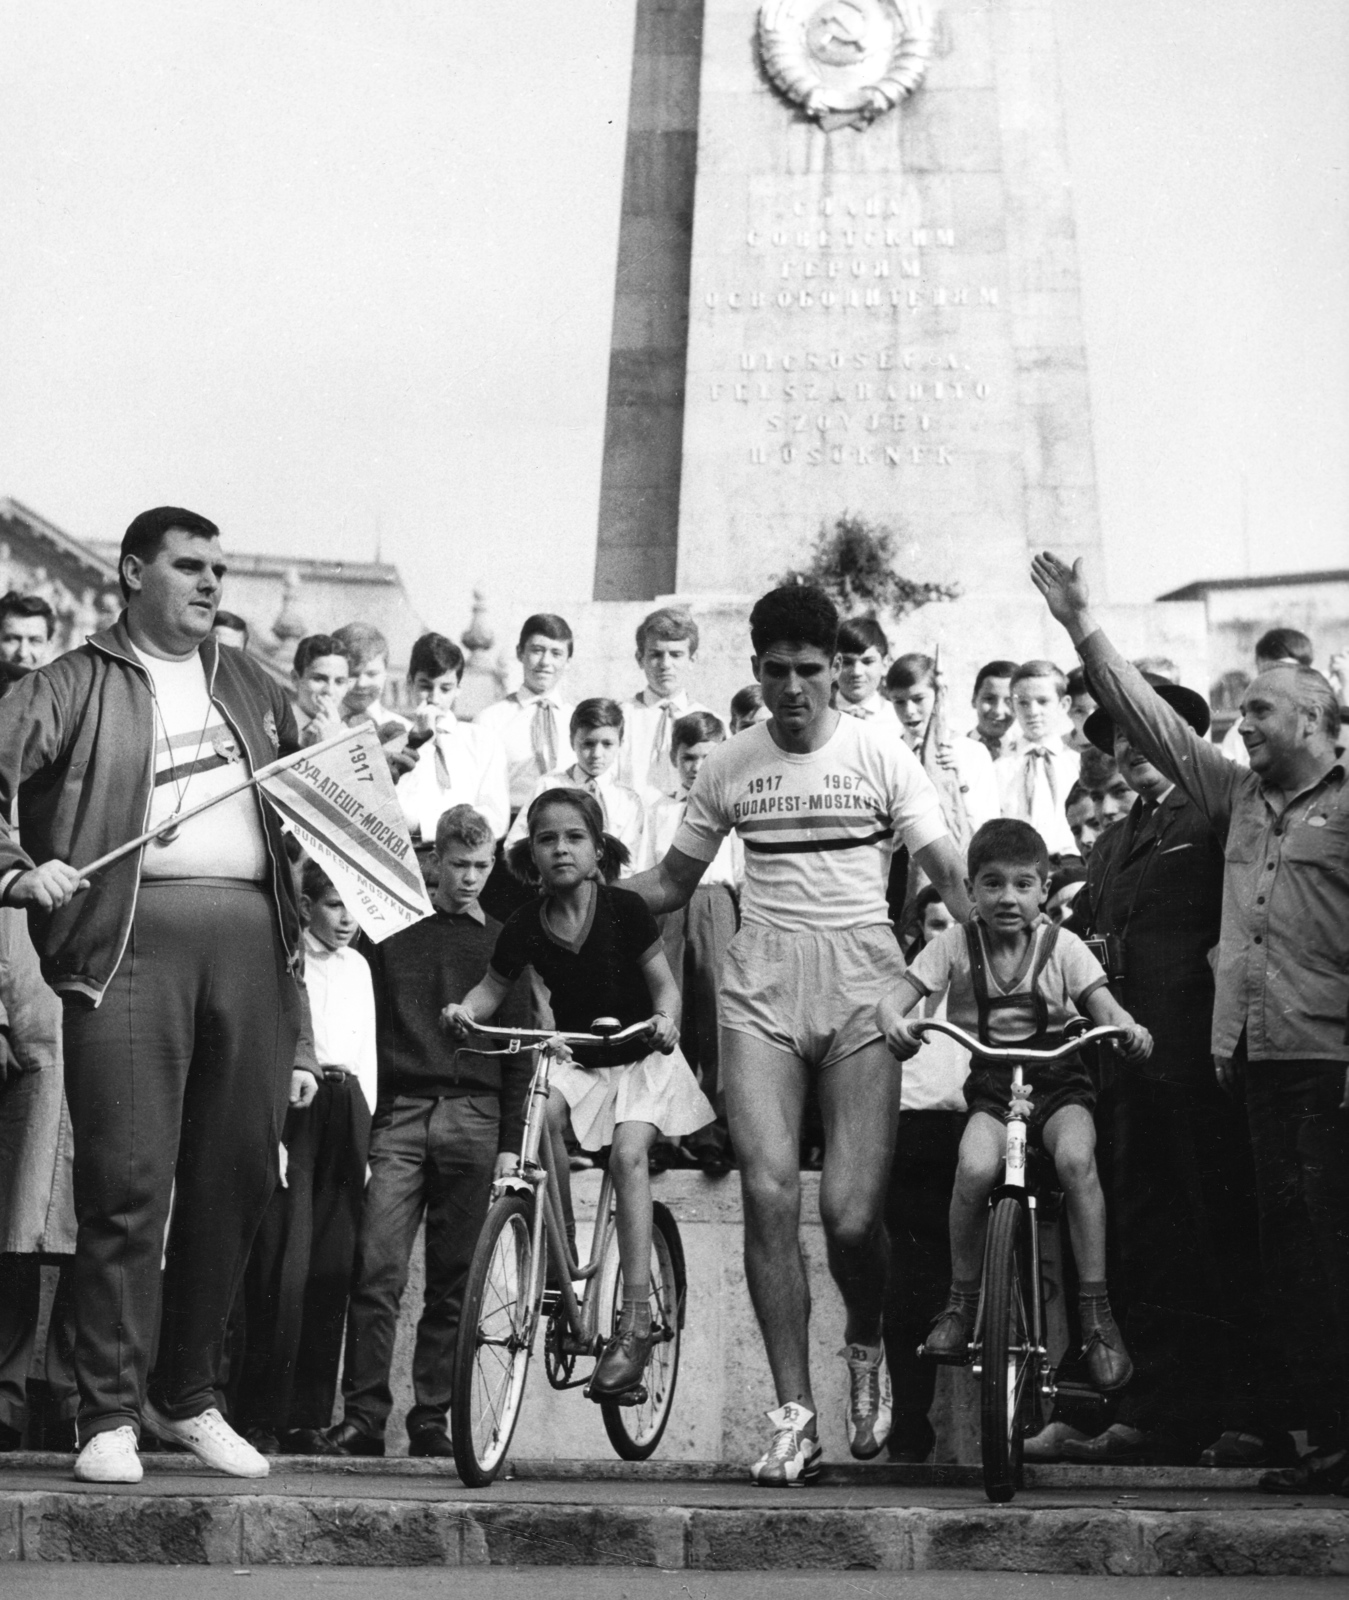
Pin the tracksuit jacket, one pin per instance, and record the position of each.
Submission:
(77, 747)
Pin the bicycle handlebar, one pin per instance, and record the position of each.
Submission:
(544, 1035)
(1011, 1054)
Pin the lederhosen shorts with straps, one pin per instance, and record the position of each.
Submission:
(989, 1088)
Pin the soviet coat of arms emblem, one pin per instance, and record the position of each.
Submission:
(845, 62)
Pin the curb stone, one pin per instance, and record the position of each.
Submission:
(298, 1530)
(170, 1529)
(287, 1531)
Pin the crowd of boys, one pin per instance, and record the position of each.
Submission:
(954, 876)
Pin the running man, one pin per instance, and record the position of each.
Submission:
(819, 803)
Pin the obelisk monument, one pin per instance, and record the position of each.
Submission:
(847, 281)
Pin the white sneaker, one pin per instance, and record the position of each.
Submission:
(110, 1457)
(211, 1439)
(869, 1408)
(793, 1459)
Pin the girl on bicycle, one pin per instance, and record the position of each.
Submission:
(599, 953)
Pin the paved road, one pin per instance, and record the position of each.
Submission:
(38, 1581)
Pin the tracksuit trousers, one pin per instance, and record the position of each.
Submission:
(177, 1085)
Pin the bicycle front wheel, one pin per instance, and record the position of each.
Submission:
(636, 1430)
(492, 1356)
(1008, 1357)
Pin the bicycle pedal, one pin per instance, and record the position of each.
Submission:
(630, 1397)
(964, 1360)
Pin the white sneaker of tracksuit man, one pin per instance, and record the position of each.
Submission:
(110, 1457)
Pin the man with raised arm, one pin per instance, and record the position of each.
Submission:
(1281, 992)
(819, 804)
(178, 969)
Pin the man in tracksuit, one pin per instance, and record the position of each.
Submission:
(177, 967)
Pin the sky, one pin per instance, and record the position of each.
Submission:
(339, 273)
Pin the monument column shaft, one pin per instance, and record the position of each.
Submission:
(885, 321)
(644, 422)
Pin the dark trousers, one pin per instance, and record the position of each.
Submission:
(431, 1158)
(299, 1274)
(20, 1304)
(917, 1212)
(695, 940)
(1300, 1140)
(1182, 1211)
(176, 1084)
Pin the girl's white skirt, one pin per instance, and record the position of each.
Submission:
(657, 1089)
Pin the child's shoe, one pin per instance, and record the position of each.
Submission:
(948, 1339)
(1109, 1365)
(620, 1368)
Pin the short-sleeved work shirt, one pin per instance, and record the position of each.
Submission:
(599, 975)
(1069, 976)
(818, 829)
(1282, 976)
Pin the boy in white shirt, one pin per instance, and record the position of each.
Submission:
(458, 763)
(863, 652)
(368, 651)
(1081, 704)
(696, 936)
(596, 730)
(299, 1274)
(667, 646)
(747, 708)
(1010, 976)
(531, 721)
(1034, 781)
(994, 721)
(322, 676)
(911, 685)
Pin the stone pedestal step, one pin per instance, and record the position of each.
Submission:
(858, 1474)
(368, 1516)
(863, 1474)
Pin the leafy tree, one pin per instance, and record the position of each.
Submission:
(855, 563)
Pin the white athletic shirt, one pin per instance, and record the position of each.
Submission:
(342, 1005)
(818, 829)
(196, 756)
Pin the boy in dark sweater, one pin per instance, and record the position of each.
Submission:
(445, 1125)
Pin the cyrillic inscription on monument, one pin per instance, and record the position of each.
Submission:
(858, 337)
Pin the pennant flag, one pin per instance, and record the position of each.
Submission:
(339, 802)
(946, 780)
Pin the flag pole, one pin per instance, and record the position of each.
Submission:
(279, 765)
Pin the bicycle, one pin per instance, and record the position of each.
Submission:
(1008, 1346)
(507, 1292)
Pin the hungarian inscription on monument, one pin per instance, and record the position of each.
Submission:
(883, 306)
